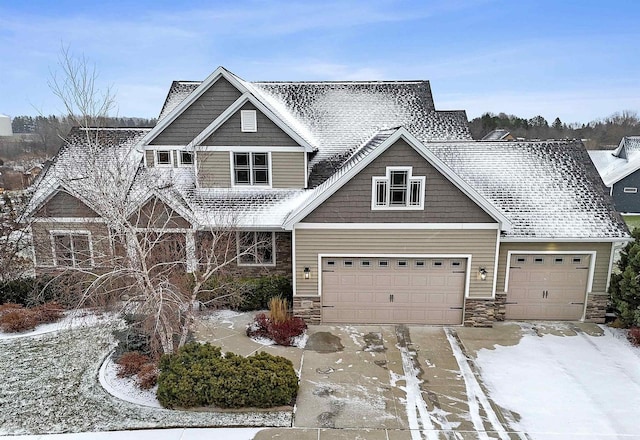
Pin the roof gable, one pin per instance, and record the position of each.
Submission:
(366, 154)
(155, 213)
(62, 204)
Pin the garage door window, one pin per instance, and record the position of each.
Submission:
(383, 263)
(419, 263)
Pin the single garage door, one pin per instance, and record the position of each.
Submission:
(551, 287)
(393, 290)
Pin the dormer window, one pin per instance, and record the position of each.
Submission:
(399, 189)
(251, 169)
(249, 121)
(186, 157)
(163, 158)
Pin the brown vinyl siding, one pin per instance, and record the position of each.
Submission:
(199, 114)
(214, 169)
(603, 254)
(444, 202)
(65, 205)
(100, 240)
(150, 157)
(268, 134)
(481, 244)
(155, 214)
(288, 169)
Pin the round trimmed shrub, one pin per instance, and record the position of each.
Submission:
(200, 375)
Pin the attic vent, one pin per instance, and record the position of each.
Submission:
(249, 122)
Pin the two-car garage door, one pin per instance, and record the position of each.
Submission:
(393, 290)
(547, 286)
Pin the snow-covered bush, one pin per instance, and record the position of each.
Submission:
(200, 375)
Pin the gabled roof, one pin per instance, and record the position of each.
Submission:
(247, 94)
(499, 134)
(373, 148)
(615, 165)
(95, 165)
(336, 117)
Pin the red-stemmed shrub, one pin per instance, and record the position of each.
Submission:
(634, 336)
(282, 333)
(148, 376)
(130, 363)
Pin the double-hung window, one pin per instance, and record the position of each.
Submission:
(256, 248)
(399, 189)
(71, 249)
(251, 169)
(163, 158)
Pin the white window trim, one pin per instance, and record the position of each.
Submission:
(387, 179)
(163, 165)
(250, 185)
(186, 165)
(54, 232)
(630, 190)
(273, 250)
(248, 121)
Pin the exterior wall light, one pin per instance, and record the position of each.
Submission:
(482, 273)
(307, 273)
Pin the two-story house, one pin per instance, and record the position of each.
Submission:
(380, 208)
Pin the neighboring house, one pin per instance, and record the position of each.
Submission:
(499, 134)
(619, 171)
(380, 208)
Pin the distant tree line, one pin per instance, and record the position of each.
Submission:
(45, 134)
(599, 133)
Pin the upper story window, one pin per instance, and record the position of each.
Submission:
(71, 249)
(163, 158)
(248, 121)
(186, 157)
(399, 189)
(251, 169)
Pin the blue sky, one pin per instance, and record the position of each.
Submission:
(574, 59)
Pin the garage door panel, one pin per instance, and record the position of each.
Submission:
(552, 290)
(404, 290)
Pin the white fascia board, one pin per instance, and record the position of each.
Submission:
(401, 132)
(396, 226)
(190, 99)
(69, 220)
(250, 149)
(565, 240)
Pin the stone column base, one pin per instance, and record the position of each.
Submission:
(596, 308)
(307, 308)
(479, 312)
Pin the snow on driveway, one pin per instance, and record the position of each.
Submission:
(567, 387)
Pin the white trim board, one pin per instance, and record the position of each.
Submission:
(565, 240)
(395, 226)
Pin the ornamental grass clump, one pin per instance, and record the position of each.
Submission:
(199, 375)
(279, 325)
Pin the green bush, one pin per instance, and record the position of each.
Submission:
(28, 291)
(200, 375)
(255, 293)
(625, 283)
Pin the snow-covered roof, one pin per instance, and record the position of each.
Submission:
(337, 117)
(547, 189)
(96, 165)
(615, 165)
(496, 135)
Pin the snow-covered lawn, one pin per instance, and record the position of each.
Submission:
(567, 387)
(50, 384)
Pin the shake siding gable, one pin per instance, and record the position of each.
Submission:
(268, 133)
(199, 115)
(309, 243)
(155, 214)
(444, 202)
(214, 169)
(65, 205)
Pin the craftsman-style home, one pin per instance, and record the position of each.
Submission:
(380, 208)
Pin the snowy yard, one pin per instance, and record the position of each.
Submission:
(567, 387)
(50, 385)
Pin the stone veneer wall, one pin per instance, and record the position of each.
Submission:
(307, 308)
(596, 308)
(500, 306)
(479, 312)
